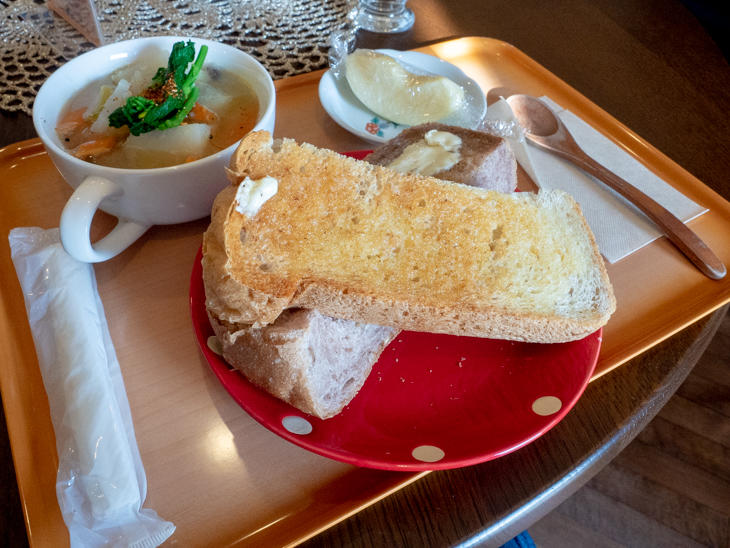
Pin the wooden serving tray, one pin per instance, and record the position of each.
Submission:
(211, 469)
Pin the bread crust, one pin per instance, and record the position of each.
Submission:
(285, 358)
(494, 296)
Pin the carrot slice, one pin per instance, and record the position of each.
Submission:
(201, 115)
(72, 122)
(95, 147)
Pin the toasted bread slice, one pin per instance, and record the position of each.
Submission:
(314, 362)
(362, 242)
(483, 160)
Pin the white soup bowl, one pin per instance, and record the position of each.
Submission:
(140, 198)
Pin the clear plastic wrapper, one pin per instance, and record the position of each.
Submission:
(101, 483)
(500, 121)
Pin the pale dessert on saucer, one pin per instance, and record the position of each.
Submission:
(387, 88)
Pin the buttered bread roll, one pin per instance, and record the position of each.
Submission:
(451, 153)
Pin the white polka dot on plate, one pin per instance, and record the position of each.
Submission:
(215, 345)
(297, 425)
(547, 405)
(428, 453)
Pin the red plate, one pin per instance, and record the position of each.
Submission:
(432, 402)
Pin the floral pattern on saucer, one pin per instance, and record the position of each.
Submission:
(376, 126)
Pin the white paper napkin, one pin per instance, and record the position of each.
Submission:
(619, 227)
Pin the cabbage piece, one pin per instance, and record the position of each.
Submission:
(117, 99)
(97, 104)
(174, 145)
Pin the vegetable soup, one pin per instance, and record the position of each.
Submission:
(156, 112)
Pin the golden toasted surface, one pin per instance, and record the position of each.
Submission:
(361, 241)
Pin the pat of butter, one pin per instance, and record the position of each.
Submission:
(253, 193)
(437, 151)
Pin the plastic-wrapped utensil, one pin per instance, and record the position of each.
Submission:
(101, 483)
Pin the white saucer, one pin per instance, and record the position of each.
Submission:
(345, 109)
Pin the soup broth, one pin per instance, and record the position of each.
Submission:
(226, 109)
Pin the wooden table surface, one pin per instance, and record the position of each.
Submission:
(652, 66)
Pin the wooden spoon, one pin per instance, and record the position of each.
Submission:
(546, 130)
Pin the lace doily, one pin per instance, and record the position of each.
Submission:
(287, 36)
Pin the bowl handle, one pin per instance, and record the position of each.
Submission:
(76, 223)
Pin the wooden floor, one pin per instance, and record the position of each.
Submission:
(670, 487)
